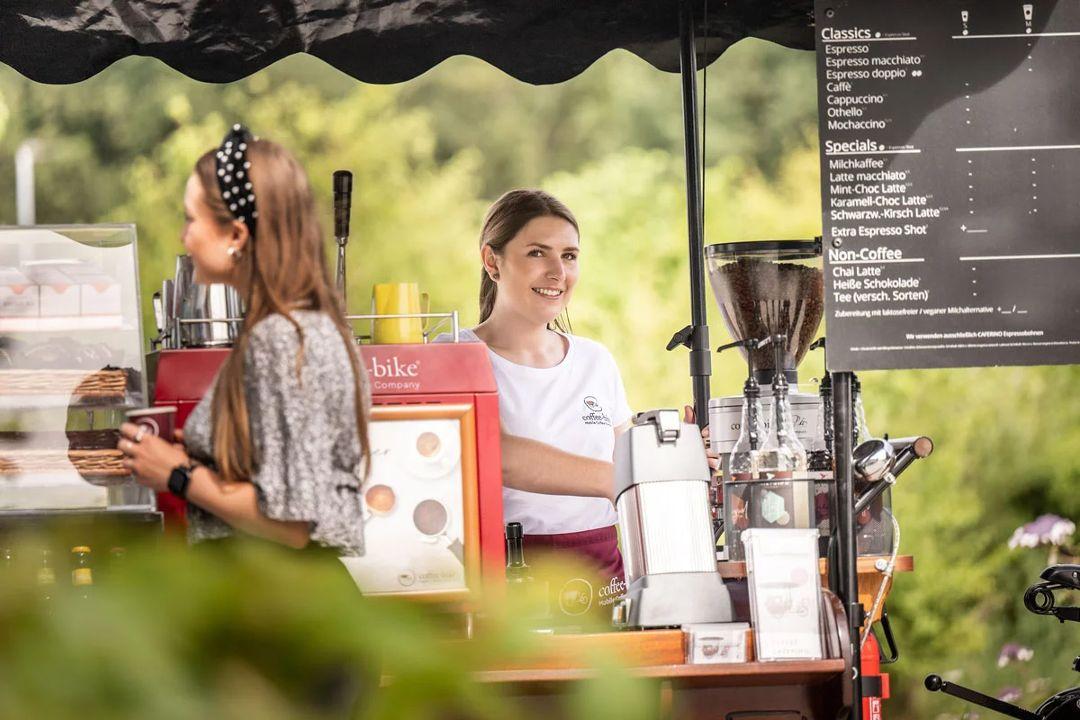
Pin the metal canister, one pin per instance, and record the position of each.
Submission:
(205, 315)
(725, 416)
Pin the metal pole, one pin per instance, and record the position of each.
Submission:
(848, 555)
(700, 353)
(25, 210)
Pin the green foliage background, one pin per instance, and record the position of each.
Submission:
(429, 155)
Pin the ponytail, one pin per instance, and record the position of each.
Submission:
(488, 288)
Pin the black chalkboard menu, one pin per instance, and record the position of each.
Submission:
(950, 176)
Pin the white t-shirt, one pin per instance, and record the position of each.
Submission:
(574, 406)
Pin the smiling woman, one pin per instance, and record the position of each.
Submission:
(561, 398)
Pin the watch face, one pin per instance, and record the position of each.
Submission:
(178, 482)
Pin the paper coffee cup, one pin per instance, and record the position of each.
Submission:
(159, 420)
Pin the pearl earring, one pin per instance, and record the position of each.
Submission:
(234, 253)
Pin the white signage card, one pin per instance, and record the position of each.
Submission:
(414, 519)
(785, 591)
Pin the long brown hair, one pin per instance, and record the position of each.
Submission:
(285, 268)
(504, 220)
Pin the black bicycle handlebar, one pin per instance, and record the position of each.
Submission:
(934, 683)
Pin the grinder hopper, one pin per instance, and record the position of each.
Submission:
(768, 288)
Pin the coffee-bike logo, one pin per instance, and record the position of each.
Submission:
(576, 596)
(613, 591)
(594, 412)
(393, 368)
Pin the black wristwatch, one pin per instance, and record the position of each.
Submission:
(179, 479)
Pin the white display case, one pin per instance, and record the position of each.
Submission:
(71, 365)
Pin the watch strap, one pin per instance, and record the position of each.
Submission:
(179, 480)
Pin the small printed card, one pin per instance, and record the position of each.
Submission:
(710, 643)
(785, 592)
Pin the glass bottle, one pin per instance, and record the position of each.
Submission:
(820, 457)
(528, 598)
(744, 460)
(785, 428)
(860, 430)
(784, 495)
(743, 469)
(7, 557)
(46, 579)
(82, 576)
(782, 454)
(517, 572)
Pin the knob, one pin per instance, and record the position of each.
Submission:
(934, 683)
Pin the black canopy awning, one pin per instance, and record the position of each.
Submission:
(376, 41)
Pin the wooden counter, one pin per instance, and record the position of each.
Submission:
(788, 690)
(799, 690)
(750, 674)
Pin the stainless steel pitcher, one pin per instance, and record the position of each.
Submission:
(205, 315)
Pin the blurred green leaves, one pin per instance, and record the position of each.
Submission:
(253, 630)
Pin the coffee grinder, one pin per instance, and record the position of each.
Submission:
(766, 289)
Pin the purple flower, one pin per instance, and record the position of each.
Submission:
(1043, 530)
(1009, 694)
(1013, 652)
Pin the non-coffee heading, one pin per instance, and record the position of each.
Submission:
(864, 254)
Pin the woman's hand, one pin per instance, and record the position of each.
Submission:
(149, 457)
(689, 416)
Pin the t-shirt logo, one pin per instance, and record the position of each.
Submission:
(594, 412)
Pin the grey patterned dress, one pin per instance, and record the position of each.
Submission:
(303, 431)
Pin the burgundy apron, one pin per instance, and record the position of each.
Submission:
(598, 550)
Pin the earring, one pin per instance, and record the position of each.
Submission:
(234, 253)
(495, 276)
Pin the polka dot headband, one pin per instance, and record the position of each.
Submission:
(234, 176)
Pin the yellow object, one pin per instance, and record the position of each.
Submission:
(398, 299)
(81, 575)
